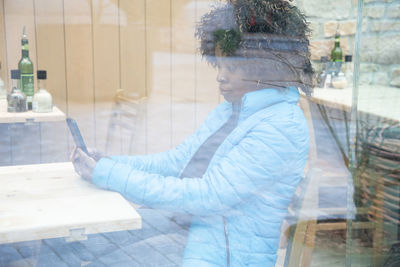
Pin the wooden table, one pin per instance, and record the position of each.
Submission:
(29, 116)
(50, 200)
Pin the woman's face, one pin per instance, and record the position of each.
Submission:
(239, 75)
(234, 78)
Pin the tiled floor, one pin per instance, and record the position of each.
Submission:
(160, 242)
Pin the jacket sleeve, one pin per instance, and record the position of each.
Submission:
(248, 169)
(171, 162)
(168, 163)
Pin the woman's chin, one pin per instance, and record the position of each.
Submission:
(230, 98)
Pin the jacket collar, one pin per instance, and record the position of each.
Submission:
(260, 99)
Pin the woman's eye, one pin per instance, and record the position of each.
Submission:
(231, 68)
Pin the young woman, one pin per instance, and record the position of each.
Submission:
(237, 173)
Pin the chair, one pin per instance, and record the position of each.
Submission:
(377, 186)
(305, 210)
(379, 196)
(301, 205)
(300, 233)
(126, 113)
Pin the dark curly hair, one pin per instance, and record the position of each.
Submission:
(249, 27)
(271, 17)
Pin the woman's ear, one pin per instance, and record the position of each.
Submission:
(218, 51)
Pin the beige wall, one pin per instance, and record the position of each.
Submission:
(91, 48)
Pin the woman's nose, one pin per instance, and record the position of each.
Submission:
(221, 78)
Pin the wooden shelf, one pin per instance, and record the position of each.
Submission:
(29, 116)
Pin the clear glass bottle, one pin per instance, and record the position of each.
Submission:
(16, 98)
(339, 81)
(348, 70)
(25, 66)
(42, 100)
(323, 73)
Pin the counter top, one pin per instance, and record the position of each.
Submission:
(381, 101)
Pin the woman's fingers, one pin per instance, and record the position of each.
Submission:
(76, 168)
(83, 163)
(88, 161)
(93, 153)
(72, 155)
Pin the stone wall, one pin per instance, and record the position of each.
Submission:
(380, 40)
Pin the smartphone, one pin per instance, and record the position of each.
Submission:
(76, 134)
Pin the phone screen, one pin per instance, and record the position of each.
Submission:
(76, 134)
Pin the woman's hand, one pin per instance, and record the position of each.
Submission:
(96, 155)
(83, 164)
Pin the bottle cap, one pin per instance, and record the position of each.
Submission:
(348, 58)
(324, 59)
(15, 74)
(24, 33)
(42, 74)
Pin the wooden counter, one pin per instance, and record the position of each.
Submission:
(50, 200)
(379, 101)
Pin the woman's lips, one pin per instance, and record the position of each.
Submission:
(225, 91)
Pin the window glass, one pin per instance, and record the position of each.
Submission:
(199, 132)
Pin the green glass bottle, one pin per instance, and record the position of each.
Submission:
(25, 66)
(337, 54)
